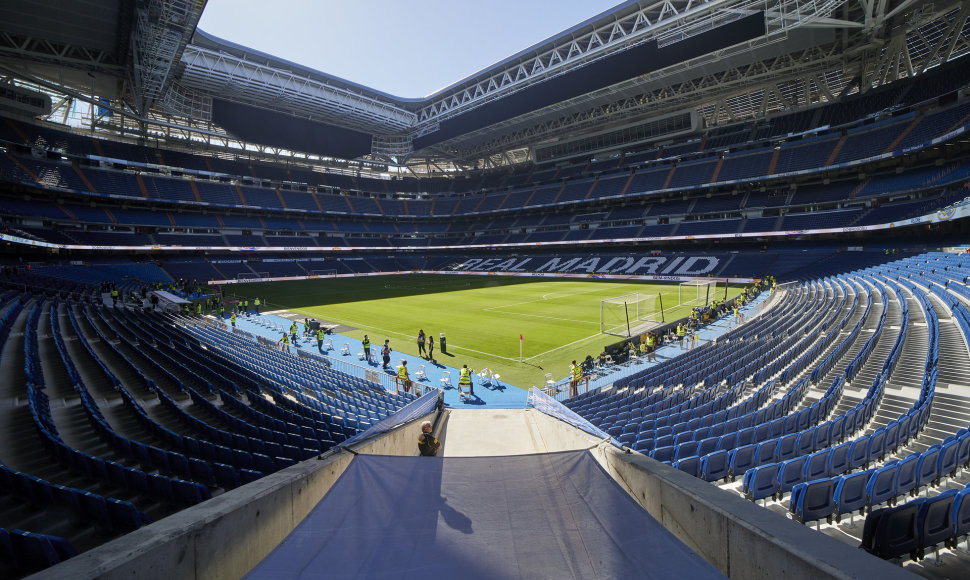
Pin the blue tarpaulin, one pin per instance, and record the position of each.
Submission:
(554, 515)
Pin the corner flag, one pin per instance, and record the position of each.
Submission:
(520, 338)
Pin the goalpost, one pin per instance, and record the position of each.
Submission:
(697, 292)
(630, 314)
(323, 273)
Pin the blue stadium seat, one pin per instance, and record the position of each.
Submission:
(689, 465)
(714, 466)
(906, 475)
(813, 500)
(936, 521)
(947, 463)
(877, 444)
(740, 460)
(850, 493)
(859, 453)
(94, 508)
(786, 447)
(664, 454)
(892, 532)
(124, 516)
(926, 467)
(36, 552)
(226, 475)
(961, 515)
(766, 452)
(761, 482)
(816, 465)
(838, 462)
(790, 473)
(882, 485)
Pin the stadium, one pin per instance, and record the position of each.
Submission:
(706, 262)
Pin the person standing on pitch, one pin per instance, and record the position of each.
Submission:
(421, 351)
(431, 348)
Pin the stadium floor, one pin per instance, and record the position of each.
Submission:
(497, 395)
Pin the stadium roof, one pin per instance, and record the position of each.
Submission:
(720, 60)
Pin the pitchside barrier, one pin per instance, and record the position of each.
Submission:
(378, 377)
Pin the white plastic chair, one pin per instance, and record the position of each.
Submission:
(550, 384)
(420, 375)
(445, 380)
(361, 355)
(485, 377)
(345, 350)
(328, 345)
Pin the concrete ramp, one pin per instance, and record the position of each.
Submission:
(553, 515)
(479, 433)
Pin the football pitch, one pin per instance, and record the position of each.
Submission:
(482, 317)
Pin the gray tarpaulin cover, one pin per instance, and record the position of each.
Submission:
(553, 515)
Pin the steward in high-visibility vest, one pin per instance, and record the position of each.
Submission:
(256, 303)
(681, 333)
(232, 320)
(365, 344)
(575, 375)
(465, 378)
(402, 376)
(320, 335)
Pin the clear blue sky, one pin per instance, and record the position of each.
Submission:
(405, 48)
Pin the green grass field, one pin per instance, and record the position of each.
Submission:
(481, 316)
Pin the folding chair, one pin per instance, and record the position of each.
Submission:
(328, 345)
(420, 374)
(445, 380)
(485, 377)
(361, 355)
(550, 385)
(345, 350)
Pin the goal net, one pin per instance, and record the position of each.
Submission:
(323, 273)
(697, 292)
(630, 314)
(251, 275)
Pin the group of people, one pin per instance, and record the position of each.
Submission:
(429, 341)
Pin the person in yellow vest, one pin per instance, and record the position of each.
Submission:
(320, 335)
(284, 343)
(365, 344)
(651, 347)
(232, 321)
(402, 376)
(198, 308)
(294, 329)
(575, 375)
(256, 303)
(465, 380)
(681, 333)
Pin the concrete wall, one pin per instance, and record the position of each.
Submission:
(740, 538)
(225, 537)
